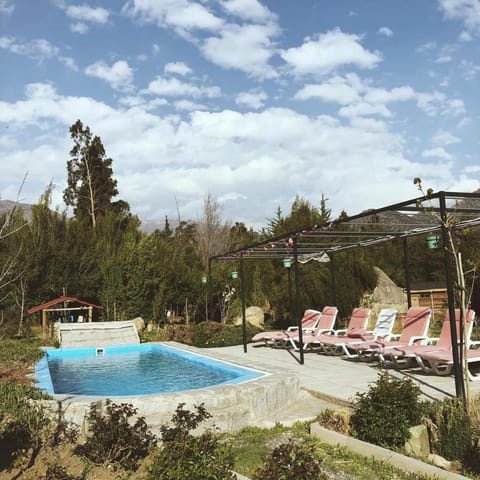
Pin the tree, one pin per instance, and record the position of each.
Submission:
(90, 186)
(211, 234)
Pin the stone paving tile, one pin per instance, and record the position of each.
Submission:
(331, 375)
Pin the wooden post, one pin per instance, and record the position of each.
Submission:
(90, 314)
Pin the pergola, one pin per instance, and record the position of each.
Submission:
(63, 305)
(435, 215)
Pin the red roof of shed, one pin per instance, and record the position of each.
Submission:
(61, 299)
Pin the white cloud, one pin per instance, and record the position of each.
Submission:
(251, 10)
(467, 11)
(444, 59)
(443, 138)
(119, 76)
(249, 159)
(329, 51)
(252, 99)
(179, 68)
(427, 47)
(336, 89)
(79, 27)
(358, 98)
(385, 31)
(438, 152)
(247, 48)
(437, 103)
(189, 106)
(155, 49)
(6, 7)
(182, 15)
(172, 87)
(38, 49)
(84, 13)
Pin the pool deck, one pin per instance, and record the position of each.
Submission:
(325, 381)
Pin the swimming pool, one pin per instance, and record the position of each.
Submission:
(133, 370)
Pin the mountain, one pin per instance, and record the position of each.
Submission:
(147, 226)
(26, 208)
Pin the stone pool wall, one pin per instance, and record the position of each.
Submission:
(232, 406)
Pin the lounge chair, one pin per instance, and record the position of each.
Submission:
(356, 326)
(414, 331)
(310, 320)
(429, 357)
(325, 326)
(410, 355)
(441, 362)
(337, 345)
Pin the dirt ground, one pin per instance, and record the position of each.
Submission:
(70, 467)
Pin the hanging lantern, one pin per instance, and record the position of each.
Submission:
(204, 279)
(234, 275)
(432, 241)
(287, 262)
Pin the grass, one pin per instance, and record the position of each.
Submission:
(253, 443)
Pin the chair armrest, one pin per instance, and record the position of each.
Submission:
(325, 331)
(417, 340)
(292, 329)
(341, 330)
(474, 344)
(433, 340)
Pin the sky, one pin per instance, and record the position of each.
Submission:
(252, 102)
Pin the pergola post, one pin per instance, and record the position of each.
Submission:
(407, 272)
(457, 343)
(90, 314)
(332, 275)
(244, 314)
(297, 298)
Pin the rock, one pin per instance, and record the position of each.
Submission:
(254, 316)
(139, 324)
(419, 444)
(439, 461)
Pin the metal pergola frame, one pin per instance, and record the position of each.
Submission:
(434, 213)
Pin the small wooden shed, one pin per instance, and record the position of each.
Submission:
(430, 294)
(64, 309)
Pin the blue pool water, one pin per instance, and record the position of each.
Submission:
(132, 370)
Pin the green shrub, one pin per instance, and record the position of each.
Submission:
(452, 434)
(291, 461)
(384, 414)
(185, 456)
(213, 334)
(113, 438)
(22, 422)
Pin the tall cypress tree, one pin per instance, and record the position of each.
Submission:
(90, 186)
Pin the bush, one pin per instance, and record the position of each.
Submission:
(185, 456)
(291, 461)
(384, 414)
(213, 334)
(22, 422)
(114, 439)
(452, 430)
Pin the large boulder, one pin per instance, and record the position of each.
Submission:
(139, 324)
(254, 316)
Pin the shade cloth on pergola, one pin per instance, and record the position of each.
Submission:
(64, 304)
(434, 215)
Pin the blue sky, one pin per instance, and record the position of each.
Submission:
(250, 101)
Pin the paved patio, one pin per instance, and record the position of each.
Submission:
(325, 381)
